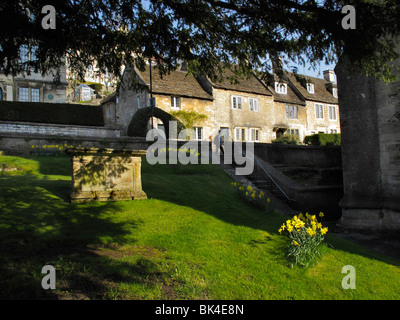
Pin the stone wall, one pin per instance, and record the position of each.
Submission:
(30, 128)
(294, 155)
(228, 117)
(324, 125)
(370, 122)
(47, 145)
(281, 120)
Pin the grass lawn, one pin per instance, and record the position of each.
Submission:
(194, 238)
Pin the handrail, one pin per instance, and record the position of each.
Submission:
(270, 177)
(273, 180)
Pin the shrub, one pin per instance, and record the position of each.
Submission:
(254, 197)
(305, 234)
(287, 139)
(323, 139)
(58, 113)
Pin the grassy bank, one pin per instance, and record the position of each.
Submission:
(194, 238)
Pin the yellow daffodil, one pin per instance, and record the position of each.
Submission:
(321, 214)
(268, 200)
(311, 232)
(295, 243)
(324, 231)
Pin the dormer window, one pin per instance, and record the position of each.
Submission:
(310, 88)
(335, 92)
(281, 88)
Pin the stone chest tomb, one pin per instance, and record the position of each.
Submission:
(106, 174)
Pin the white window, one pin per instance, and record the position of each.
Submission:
(293, 131)
(281, 88)
(333, 130)
(237, 102)
(332, 112)
(253, 103)
(240, 134)
(292, 112)
(255, 134)
(198, 133)
(319, 111)
(175, 102)
(335, 92)
(35, 95)
(310, 87)
(109, 111)
(23, 94)
(138, 102)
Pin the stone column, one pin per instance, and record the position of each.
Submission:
(370, 126)
(106, 174)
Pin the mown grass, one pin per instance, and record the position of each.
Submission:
(194, 238)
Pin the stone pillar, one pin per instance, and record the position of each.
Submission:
(106, 174)
(370, 126)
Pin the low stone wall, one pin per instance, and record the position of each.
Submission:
(311, 199)
(44, 129)
(298, 155)
(24, 144)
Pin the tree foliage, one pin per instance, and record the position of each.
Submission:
(204, 33)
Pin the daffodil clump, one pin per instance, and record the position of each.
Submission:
(255, 197)
(306, 234)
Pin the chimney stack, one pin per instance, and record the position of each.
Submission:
(329, 76)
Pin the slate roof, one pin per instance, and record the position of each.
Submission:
(251, 85)
(177, 83)
(290, 97)
(321, 92)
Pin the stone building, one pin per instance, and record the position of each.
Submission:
(250, 110)
(289, 111)
(321, 101)
(33, 87)
(243, 110)
(175, 91)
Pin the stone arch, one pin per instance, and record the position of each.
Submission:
(138, 124)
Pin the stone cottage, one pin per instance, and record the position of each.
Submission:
(321, 101)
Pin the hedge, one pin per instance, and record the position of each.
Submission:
(287, 139)
(323, 139)
(57, 113)
(138, 124)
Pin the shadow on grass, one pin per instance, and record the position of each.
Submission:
(207, 188)
(38, 227)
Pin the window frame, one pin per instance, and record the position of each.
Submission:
(335, 92)
(253, 104)
(23, 94)
(279, 86)
(292, 111)
(198, 130)
(234, 102)
(310, 88)
(332, 112)
(254, 135)
(242, 133)
(319, 110)
(35, 92)
(175, 102)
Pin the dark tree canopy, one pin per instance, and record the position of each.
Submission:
(203, 33)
